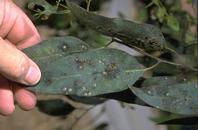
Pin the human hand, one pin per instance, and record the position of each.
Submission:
(16, 33)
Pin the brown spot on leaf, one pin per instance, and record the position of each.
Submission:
(48, 81)
(82, 63)
(78, 83)
(110, 71)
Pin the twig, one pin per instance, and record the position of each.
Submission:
(145, 69)
(112, 40)
(88, 4)
(156, 58)
(64, 6)
(58, 3)
(153, 66)
(171, 50)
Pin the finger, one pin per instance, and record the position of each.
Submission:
(6, 98)
(25, 99)
(16, 66)
(23, 34)
(16, 26)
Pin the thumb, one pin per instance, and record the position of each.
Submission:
(16, 66)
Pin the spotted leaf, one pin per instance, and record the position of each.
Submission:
(144, 36)
(178, 98)
(70, 67)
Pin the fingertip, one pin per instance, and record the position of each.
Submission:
(16, 66)
(7, 109)
(33, 74)
(25, 99)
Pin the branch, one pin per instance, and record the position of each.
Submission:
(88, 4)
(156, 58)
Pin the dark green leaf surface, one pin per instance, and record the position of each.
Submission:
(42, 6)
(181, 121)
(177, 98)
(173, 23)
(162, 81)
(55, 48)
(68, 67)
(55, 107)
(145, 36)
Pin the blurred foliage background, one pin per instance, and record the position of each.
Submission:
(178, 22)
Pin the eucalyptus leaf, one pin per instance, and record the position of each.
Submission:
(42, 6)
(162, 81)
(181, 121)
(178, 98)
(166, 69)
(191, 53)
(161, 13)
(70, 67)
(165, 116)
(144, 36)
(157, 2)
(55, 107)
(173, 23)
(123, 96)
(54, 48)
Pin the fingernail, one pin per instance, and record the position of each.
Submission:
(33, 76)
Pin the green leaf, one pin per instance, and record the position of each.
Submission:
(181, 121)
(69, 67)
(161, 12)
(55, 107)
(144, 36)
(165, 69)
(149, 5)
(165, 116)
(55, 48)
(42, 7)
(177, 98)
(156, 2)
(191, 53)
(162, 81)
(173, 23)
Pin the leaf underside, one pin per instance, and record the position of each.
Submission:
(55, 107)
(178, 98)
(144, 36)
(70, 67)
(181, 121)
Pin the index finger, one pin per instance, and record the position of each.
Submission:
(16, 27)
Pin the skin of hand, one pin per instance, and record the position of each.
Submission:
(16, 33)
